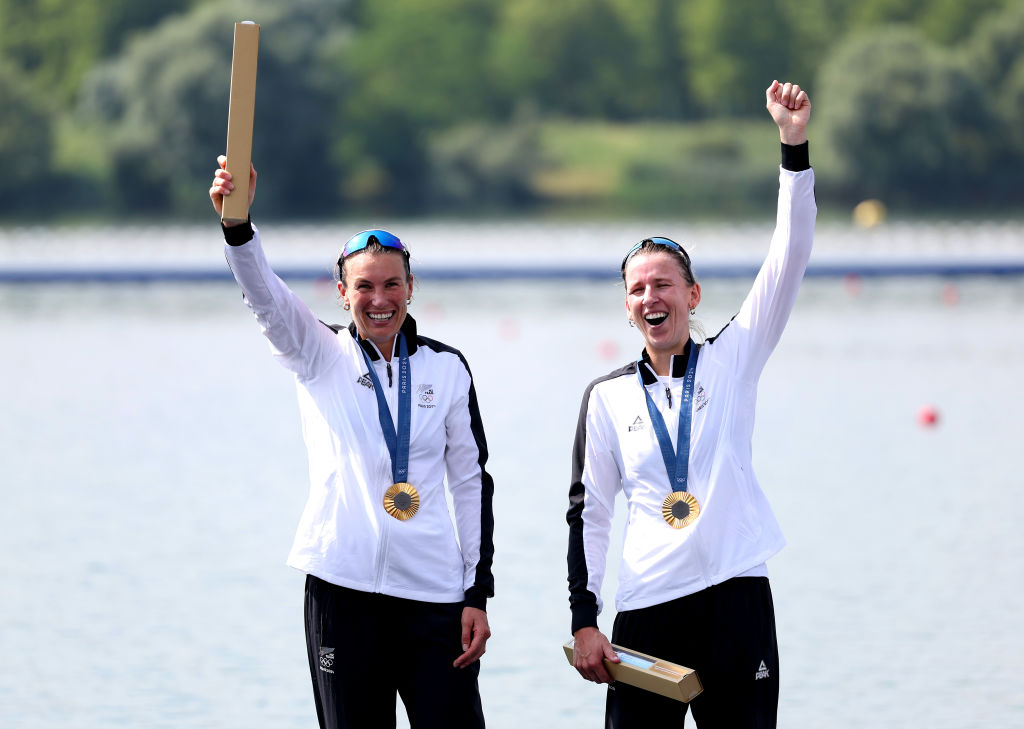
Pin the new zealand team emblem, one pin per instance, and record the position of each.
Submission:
(426, 394)
(701, 399)
(326, 660)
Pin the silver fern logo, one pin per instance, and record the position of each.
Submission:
(327, 660)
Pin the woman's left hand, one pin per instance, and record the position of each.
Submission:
(790, 107)
(475, 632)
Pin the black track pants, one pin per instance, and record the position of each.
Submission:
(364, 647)
(726, 633)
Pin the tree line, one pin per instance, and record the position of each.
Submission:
(420, 105)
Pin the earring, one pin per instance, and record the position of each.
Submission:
(631, 323)
(347, 306)
(692, 312)
(408, 301)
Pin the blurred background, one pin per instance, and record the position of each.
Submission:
(114, 108)
(152, 463)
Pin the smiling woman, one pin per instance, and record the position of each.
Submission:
(661, 295)
(389, 576)
(672, 431)
(375, 284)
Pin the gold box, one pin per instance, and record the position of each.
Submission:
(650, 673)
(241, 109)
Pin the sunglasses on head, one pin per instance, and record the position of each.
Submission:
(360, 240)
(657, 240)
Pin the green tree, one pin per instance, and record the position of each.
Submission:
(573, 57)
(995, 52)
(479, 165)
(56, 42)
(997, 46)
(429, 56)
(942, 21)
(413, 67)
(25, 144)
(813, 28)
(733, 51)
(909, 124)
(657, 84)
(162, 105)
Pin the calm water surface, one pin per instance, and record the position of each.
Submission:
(153, 473)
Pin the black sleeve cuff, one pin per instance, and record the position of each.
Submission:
(476, 598)
(238, 235)
(584, 616)
(795, 157)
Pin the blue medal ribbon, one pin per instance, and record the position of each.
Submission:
(677, 462)
(397, 439)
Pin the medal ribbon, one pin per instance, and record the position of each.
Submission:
(396, 439)
(677, 462)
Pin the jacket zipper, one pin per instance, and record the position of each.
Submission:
(668, 394)
(391, 382)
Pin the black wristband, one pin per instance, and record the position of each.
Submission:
(476, 598)
(795, 157)
(584, 615)
(237, 235)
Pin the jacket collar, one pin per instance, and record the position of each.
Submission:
(408, 329)
(677, 368)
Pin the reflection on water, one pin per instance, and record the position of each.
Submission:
(154, 472)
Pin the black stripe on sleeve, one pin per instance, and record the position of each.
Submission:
(483, 581)
(582, 602)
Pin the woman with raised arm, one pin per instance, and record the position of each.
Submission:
(395, 592)
(672, 430)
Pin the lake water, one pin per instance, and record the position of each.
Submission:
(153, 474)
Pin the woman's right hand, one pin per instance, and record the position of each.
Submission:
(222, 186)
(589, 653)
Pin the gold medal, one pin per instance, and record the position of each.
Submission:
(680, 509)
(402, 501)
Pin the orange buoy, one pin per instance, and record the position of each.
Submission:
(927, 416)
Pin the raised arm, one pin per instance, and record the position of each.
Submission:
(297, 338)
(758, 325)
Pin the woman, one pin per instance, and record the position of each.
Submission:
(394, 602)
(672, 430)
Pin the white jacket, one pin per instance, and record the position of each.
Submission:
(345, 536)
(616, 447)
